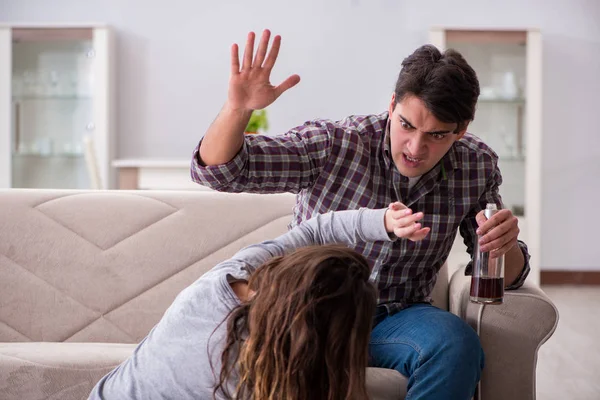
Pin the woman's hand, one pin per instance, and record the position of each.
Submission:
(401, 221)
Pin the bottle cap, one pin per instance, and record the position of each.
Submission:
(490, 209)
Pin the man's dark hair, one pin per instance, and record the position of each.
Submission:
(446, 83)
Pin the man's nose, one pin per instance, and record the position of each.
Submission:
(416, 144)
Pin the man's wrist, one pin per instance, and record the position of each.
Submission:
(515, 263)
(232, 109)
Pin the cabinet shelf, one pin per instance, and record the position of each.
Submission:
(48, 155)
(52, 97)
(511, 158)
(500, 100)
(56, 107)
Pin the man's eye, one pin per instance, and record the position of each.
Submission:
(438, 136)
(404, 125)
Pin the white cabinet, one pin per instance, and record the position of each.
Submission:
(56, 107)
(508, 63)
(156, 174)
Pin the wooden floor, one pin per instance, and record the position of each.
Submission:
(569, 363)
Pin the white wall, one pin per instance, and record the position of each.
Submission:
(173, 70)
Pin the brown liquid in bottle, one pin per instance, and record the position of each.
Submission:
(487, 290)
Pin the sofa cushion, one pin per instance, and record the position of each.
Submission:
(104, 266)
(386, 384)
(69, 371)
(56, 371)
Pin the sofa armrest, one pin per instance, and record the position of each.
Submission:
(511, 335)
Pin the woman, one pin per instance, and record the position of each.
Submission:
(269, 323)
(303, 330)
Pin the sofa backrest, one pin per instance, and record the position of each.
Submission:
(103, 266)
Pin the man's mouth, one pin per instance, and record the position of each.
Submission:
(412, 159)
(412, 162)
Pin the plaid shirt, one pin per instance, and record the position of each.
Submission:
(347, 165)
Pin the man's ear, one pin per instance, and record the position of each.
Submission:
(392, 104)
(459, 134)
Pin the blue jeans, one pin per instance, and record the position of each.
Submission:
(439, 353)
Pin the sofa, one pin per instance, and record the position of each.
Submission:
(84, 275)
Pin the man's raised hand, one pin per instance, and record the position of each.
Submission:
(249, 84)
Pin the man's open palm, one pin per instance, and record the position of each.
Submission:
(249, 86)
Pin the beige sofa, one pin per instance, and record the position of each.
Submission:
(85, 275)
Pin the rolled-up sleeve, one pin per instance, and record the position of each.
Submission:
(270, 164)
(218, 177)
(518, 282)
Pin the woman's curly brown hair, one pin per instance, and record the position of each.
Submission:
(305, 332)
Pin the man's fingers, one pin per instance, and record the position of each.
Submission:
(273, 53)
(481, 220)
(508, 228)
(494, 244)
(495, 233)
(502, 250)
(497, 219)
(262, 48)
(235, 59)
(248, 51)
(287, 84)
(509, 236)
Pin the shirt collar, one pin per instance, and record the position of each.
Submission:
(387, 149)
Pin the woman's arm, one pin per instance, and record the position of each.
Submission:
(347, 227)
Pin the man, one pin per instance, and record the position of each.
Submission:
(417, 153)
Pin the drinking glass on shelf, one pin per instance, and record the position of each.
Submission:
(17, 85)
(53, 83)
(68, 148)
(510, 90)
(73, 86)
(29, 82)
(42, 86)
(509, 143)
(45, 146)
(23, 148)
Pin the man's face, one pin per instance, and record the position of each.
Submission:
(418, 139)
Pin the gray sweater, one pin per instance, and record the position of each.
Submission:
(174, 360)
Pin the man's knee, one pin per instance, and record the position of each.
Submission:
(457, 342)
